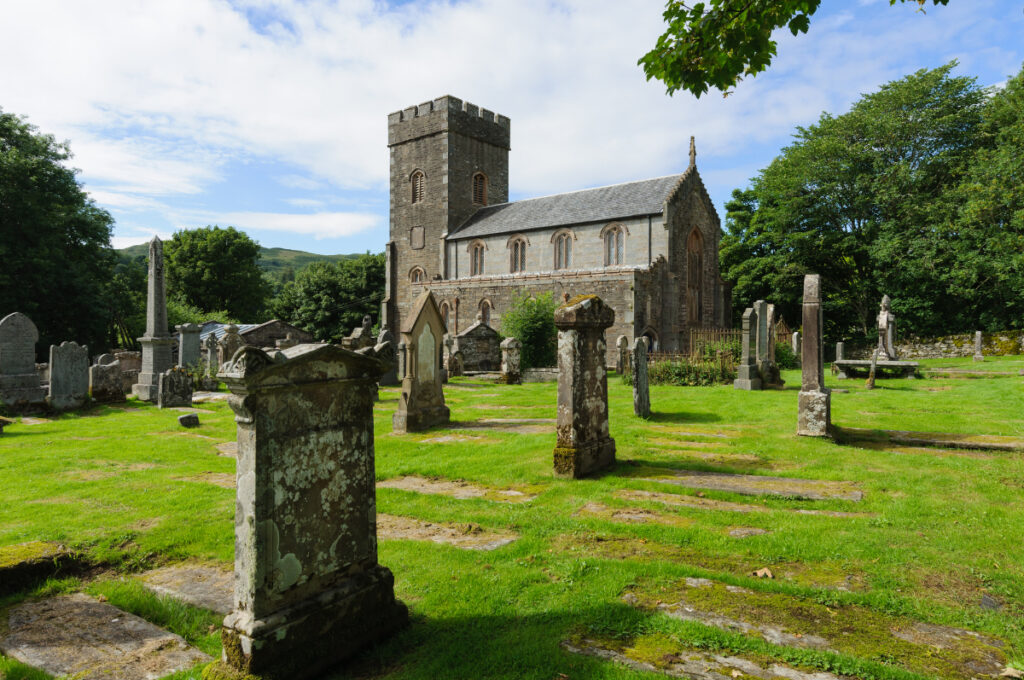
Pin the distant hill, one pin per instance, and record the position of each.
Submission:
(272, 260)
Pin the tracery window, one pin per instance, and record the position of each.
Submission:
(418, 180)
(480, 189)
(517, 255)
(614, 243)
(563, 251)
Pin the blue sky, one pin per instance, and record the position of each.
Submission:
(270, 116)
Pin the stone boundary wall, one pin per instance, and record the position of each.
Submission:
(999, 343)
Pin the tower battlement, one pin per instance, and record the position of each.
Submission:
(448, 114)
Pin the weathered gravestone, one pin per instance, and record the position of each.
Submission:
(583, 445)
(621, 354)
(309, 591)
(511, 355)
(978, 355)
(886, 332)
(210, 355)
(840, 351)
(188, 344)
(69, 376)
(390, 375)
(175, 388)
(747, 377)
(19, 382)
(814, 418)
(795, 346)
(229, 343)
(421, 403)
(106, 384)
(157, 342)
(360, 337)
(766, 368)
(480, 346)
(287, 342)
(641, 389)
(455, 363)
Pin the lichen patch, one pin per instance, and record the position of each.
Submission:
(468, 536)
(457, 488)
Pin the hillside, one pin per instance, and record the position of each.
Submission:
(272, 260)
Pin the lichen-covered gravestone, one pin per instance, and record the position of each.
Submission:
(188, 344)
(69, 376)
(229, 344)
(511, 353)
(175, 388)
(421, 403)
(641, 389)
(19, 382)
(157, 342)
(621, 354)
(309, 591)
(767, 370)
(583, 446)
(480, 346)
(747, 377)
(814, 418)
(106, 384)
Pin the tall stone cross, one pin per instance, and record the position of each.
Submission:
(157, 342)
(814, 418)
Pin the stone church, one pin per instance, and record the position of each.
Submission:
(648, 248)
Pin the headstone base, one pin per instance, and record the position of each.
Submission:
(420, 419)
(814, 417)
(304, 640)
(156, 358)
(581, 461)
(18, 395)
(747, 378)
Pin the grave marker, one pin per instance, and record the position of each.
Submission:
(511, 353)
(19, 382)
(814, 418)
(747, 377)
(69, 376)
(157, 342)
(421, 403)
(641, 389)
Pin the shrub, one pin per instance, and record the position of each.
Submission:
(785, 357)
(690, 372)
(531, 321)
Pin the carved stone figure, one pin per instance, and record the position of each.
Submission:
(886, 332)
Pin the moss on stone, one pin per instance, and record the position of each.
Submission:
(565, 460)
(35, 551)
(218, 670)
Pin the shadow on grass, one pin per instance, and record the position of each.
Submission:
(638, 468)
(683, 417)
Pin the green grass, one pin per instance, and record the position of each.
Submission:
(941, 528)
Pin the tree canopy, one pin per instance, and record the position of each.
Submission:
(55, 255)
(718, 42)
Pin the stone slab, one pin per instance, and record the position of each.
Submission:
(949, 440)
(848, 367)
(467, 536)
(631, 515)
(700, 503)
(208, 587)
(758, 485)
(75, 635)
(456, 488)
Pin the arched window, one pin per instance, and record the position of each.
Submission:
(694, 277)
(417, 186)
(479, 189)
(517, 255)
(476, 259)
(614, 244)
(563, 250)
(485, 312)
(417, 275)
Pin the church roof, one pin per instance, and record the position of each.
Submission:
(619, 201)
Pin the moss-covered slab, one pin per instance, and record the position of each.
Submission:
(789, 621)
(753, 485)
(631, 515)
(691, 431)
(460, 489)
(206, 586)
(513, 425)
(23, 564)
(949, 440)
(468, 536)
(77, 636)
(702, 503)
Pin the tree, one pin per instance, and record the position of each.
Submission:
(531, 321)
(329, 299)
(216, 269)
(862, 199)
(55, 254)
(718, 42)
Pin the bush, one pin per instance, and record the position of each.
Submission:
(785, 357)
(531, 321)
(692, 372)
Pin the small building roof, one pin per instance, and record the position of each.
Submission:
(618, 201)
(217, 329)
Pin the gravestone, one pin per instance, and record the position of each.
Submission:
(584, 445)
(978, 356)
(19, 382)
(480, 346)
(390, 375)
(747, 377)
(360, 337)
(641, 389)
(175, 388)
(621, 354)
(157, 342)
(766, 367)
(511, 353)
(796, 346)
(210, 352)
(188, 344)
(870, 383)
(886, 332)
(840, 351)
(229, 343)
(772, 320)
(287, 342)
(455, 363)
(69, 376)
(106, 384)
(309, 591)
(421, 403)
(814, 417)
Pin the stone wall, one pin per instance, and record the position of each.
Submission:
(999, 343)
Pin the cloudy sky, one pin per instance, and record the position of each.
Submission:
(270, 115)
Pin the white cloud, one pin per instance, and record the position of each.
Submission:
(319, 225)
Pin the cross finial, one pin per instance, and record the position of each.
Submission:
(693, 152)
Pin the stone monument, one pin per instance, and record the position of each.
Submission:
(287, 342)
(106, 384)
(747, 377)
(157, 342)
(309, 591)
(19, 383)
(175, 388)
(584, 445)
(978, 355)
(796, 346)
(360, 337)
(229, 343)
(188, 344)
(69, 376)
(480, 346)
(641, 389)
(886, 332)
(421, 403)
(766, 368)
(814, 418)
(511, 354)
(621, 354)
(390, 375)
(840, 351)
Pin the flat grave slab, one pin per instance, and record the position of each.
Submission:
(949, 440)
(852, 367)
(456, 488)
(631, 515)
(198, 585)
(229, 449)
(467, 536)
(513, 425)
(207, 397)
(756, 485)
(728, 506)
(75, 635)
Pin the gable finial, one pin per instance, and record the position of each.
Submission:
(693, 153)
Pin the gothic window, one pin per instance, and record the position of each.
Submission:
(485, 312)
(614, 241)
(476, 259)
(416, 238)
(694, 277)
(417, 275)
(517, 251)
(563, 250)
(417, 186)
(479, 189)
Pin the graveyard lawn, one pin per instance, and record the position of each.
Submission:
(598, 578)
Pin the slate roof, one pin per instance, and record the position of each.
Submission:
(217, 330)
(619, 201)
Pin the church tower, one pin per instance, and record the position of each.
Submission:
(448, 159)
